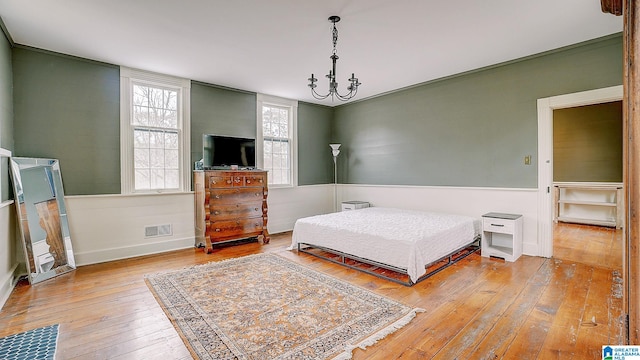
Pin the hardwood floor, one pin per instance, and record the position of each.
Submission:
(480, 308)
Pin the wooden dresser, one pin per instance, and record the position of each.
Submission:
(230, 205)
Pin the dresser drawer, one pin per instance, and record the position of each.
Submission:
(234, 196)
(218, 211)
(220, 181)
(254, 180)
(503, 226)
(228, 229)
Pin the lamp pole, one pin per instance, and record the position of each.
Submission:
(335, 151)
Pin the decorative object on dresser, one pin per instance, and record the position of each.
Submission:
(229, 206)
(502, 235)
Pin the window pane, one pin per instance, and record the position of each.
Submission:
(140, 95)
(171, 160)
(171, 100)
(157, 179)
(156, 158)
(172, 179)
(141, 158)
(140, 115)
(140, 138)
(171, 140)
(156, 139)
(142, 179)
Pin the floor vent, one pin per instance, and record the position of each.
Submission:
(158, 230)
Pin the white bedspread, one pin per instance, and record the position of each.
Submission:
(405, 239)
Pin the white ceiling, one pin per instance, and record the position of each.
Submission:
(273, 46)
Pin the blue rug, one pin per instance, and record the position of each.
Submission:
(36, 344)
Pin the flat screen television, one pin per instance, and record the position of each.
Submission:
(222, 152)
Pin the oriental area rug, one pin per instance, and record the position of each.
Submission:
(267, 307)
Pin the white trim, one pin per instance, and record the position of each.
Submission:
(183, 86)
(5, 203)
(126, 252)
(545, 153)
(262, 99)
(8, 283)
(5, 153)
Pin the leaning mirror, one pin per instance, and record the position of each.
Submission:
(39, 199)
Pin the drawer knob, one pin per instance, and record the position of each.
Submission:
(256, 209)
(248, 181)
(218, 229)
(216, 212)
(217, 196)
(228, 181)
(499, 225)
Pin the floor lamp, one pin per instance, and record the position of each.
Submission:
(335, 150)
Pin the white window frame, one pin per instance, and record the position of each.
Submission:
(129, 77)
(263, 99)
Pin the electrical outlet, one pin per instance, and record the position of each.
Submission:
(527, 160)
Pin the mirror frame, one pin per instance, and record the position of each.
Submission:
(41, 212)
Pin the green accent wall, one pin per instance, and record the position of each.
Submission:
(220, 111)
(472, 129)
(315, 163)
(6, 115)
(69, 109)
(587, 143)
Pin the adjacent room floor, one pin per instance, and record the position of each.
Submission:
(565, 307)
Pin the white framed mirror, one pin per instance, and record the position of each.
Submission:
(42, 214)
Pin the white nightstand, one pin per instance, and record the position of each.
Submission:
(502, 235)
(353, 205)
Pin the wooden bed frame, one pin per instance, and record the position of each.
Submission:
(389, 272)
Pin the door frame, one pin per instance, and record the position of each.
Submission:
(545, 154)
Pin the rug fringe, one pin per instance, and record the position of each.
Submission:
(373, 339)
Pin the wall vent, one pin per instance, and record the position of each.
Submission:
(158, 230)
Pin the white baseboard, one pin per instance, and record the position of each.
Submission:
(125, 252)
(7, 284)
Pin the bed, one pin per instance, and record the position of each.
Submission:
(405, 241)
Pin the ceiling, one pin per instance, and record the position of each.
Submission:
(272, 47)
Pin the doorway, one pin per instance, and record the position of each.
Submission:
(587, 174)
(546, 106)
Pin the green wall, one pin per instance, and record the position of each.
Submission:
(315, 163)
(220, 111)
(473, 129)
(69, 108)
(587, 143)
(6, 114)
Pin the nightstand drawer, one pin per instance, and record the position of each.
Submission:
(503, 226)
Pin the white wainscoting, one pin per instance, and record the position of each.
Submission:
(110, 227)
(8, 252)
(286, 205)
(456, 200)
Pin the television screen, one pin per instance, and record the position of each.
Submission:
(221, 152)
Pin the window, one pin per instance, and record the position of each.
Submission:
(276, 144)
(154, 132)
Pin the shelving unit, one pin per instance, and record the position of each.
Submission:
(589, 203)
(502, 236)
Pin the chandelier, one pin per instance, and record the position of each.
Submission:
(333, 85)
